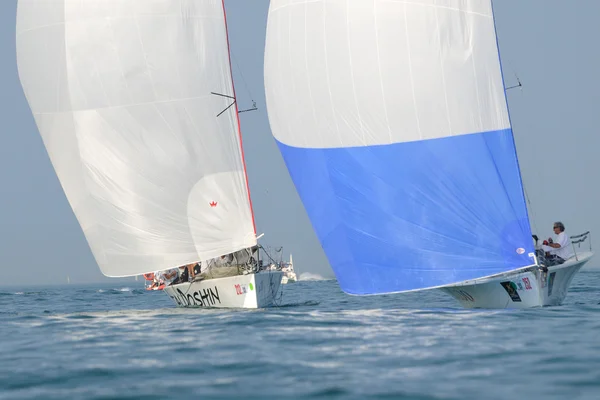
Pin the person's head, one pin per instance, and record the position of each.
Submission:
(558, 227)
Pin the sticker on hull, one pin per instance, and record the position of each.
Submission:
(511, 289)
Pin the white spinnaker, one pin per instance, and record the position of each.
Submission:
(121, 94)
(345, 73)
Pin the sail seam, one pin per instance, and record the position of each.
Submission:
(385, 111)
(335, 120)
(137, 27)
(437, 6)
(439, 29)
(126, 105)
(310, 94)
(292, 80)
(412, 80)
(395, 1)
(362, 129)
(477, 94)
(109, 18)
(118, 55)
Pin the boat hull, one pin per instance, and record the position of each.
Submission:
(527, 289)
(256, 290)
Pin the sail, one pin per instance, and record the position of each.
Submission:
(121, 95)
(392, 119)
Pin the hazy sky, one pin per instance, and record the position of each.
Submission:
(552, 45)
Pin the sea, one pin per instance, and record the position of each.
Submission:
(119, 341)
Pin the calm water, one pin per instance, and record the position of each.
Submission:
(119, 341)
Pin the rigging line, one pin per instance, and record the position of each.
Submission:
(533, 217)
(223, 95)
(249, 109)
(514, 86)
(531, 209)
(243, 79)
(228, 107)
(267, 253)
(234, 102)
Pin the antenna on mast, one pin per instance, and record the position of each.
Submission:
(515, 86)
(233, 102)
(249, 109)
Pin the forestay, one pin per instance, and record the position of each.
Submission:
(121, 94)
(392, 119)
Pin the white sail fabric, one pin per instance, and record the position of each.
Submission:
(342, 73)
(121, 94)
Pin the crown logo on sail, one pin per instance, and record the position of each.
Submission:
(213, 203)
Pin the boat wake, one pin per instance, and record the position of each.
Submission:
(119, 290)
(300, 304)
(309, 276)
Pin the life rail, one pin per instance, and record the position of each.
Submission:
(578, 239)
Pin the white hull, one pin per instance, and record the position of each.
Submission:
(285, 280)
(527, 289)
(255, 290)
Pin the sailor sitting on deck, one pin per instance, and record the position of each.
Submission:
(189, 272)
(164, 277)
(169, 275)
(559, 250)
(157, 279)
(186, 273)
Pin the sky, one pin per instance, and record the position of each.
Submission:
(551, 45)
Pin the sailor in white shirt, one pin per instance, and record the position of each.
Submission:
(561, 247)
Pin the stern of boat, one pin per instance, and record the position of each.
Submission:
(525, 289)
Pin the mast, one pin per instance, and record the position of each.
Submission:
(509, 117)
(237, 113)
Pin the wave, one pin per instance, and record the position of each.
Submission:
(309, 276)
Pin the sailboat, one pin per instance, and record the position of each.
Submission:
(393, 122)
(289, 274)
(136, 106)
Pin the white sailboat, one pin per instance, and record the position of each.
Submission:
(289, 274)
(393, 122)
(135, 103)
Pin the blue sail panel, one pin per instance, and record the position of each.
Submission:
(415, 215)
